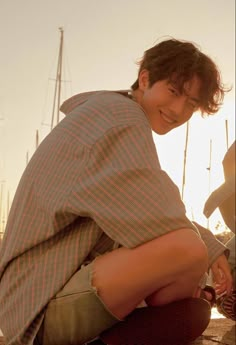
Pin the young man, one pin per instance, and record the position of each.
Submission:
(97, 227)
(224, 198)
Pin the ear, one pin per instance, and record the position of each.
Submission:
(143, 80)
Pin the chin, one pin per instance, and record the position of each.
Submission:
(162, 131)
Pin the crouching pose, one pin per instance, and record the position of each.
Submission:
(97, 228)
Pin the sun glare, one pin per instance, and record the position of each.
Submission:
(194, 160)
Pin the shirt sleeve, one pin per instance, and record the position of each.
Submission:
(215, 247)
(125, 191)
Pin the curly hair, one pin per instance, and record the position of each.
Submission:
(178, 61)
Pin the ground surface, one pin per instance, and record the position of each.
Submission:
(219, 332)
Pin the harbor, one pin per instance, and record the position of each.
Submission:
(102, 45)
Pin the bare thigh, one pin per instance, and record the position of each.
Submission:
(160, 271)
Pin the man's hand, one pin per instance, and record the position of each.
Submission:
(221, 275)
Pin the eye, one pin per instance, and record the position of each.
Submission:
(193, 105)
(173, 90)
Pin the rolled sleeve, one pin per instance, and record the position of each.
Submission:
(215, 247)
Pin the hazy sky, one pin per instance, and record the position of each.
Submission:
(103, 40)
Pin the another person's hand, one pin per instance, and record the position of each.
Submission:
(221, 275)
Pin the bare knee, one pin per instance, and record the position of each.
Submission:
(187, 254)
(161, 262)
(197, 253)
(189, 247)
(191, 262)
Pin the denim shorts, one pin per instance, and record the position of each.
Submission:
(76, 315)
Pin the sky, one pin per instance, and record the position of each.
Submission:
(103, 40)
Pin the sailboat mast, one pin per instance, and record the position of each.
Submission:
(2, 216)
(37, 139)
(59, 73)
(57, 91)
(227, 135)
(209, 177)
(185, 160)
(27, 158)
(8, 203)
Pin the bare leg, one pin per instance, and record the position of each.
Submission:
(165, 269)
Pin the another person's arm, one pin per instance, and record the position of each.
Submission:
(218, 254)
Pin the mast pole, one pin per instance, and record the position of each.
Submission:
(209, 177)
(57, 90)
(27, 158)
(60, 73)
(37, 139)
(2, 183)
(1, 203)
(185, 160)
(227, 135)
(8, 203)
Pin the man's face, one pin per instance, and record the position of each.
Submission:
(165, 107)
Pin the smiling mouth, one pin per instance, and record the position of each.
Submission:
(167, 118)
